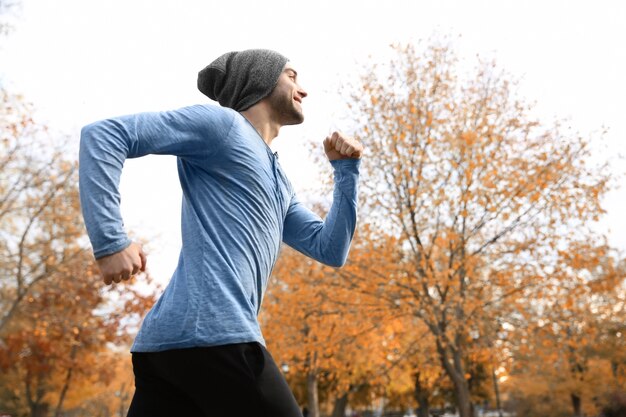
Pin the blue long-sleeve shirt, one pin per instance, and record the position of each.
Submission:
(237, 207)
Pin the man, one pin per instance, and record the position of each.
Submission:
(200, 351)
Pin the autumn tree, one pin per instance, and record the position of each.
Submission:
(406, 372)
(38, 206)
(57, 321)
(61, 341)
(60, 330)
(309, 333)
(578, 332)
(105, 397)
(478, 193)
(376, 264)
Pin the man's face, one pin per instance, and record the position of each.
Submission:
(286, 98)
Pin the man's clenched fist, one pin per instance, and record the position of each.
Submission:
(123, 264)
(340, 146)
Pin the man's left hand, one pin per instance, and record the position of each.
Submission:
(340, 146)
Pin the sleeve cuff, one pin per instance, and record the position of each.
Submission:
(111, 249)
(346, 165)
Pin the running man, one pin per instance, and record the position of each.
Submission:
(200, 351)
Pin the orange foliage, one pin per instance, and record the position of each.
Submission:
(479, 198)
(474, 217)
(579, 332)
(57, 321)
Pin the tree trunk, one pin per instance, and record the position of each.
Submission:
(312, 394)
(66, 384)
(452, 363)
(34, 398)
(341, 403)
(7, 316)
(496, 388)
(39, 410)
(464, 401)
(577, 404)
(422, 398)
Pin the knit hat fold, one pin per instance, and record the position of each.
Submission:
(240, 79)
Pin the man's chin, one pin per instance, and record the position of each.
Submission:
(295, 119)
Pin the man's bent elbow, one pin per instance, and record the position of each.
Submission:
(337, 262)
(335, 256)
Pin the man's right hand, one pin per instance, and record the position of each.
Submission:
(340, 146)
(123, 264)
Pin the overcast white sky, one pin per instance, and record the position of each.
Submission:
(82, 60)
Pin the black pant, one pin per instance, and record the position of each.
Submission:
(238, 380)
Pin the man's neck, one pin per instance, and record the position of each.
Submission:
(259, 117)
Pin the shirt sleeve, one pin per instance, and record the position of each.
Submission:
(193, 133)
(327, 241)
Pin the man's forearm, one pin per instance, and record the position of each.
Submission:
(327, 241)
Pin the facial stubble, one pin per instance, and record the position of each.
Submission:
(285, 108)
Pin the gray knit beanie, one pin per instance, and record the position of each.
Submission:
(240, 79)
